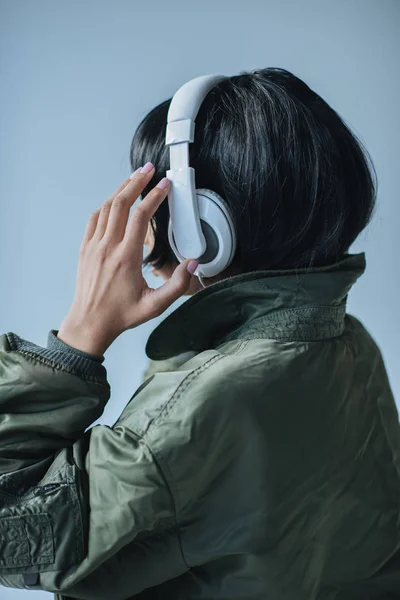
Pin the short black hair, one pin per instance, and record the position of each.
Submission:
(301, 186)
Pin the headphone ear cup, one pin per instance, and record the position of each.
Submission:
(212, 242)
(218, 228)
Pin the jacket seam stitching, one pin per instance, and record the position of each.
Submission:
(158, 456)
(169, 483)
(178, 529)
(325, 307)
(326, 330)
(181, 387)
(171, 495)
(187, 381)
(162, 464)
(50, 363)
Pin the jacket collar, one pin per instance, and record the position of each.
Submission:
(283, 305)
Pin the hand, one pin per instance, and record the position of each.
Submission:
(111, 294)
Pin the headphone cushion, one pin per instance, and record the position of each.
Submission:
(218, 228)
(224, 209)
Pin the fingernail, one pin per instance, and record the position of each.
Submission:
(147, 168)
(164, 183)
(192, 266)
(135, 173)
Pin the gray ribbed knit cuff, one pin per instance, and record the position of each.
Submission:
(86, 366)
(53, 343)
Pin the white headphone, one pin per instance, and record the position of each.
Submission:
(200, 225)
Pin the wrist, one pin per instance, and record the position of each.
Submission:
(82, 338)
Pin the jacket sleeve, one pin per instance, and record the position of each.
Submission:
(78, 506)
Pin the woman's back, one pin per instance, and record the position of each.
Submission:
(265, 465)
(302, 499)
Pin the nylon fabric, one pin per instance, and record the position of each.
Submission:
(259, 458)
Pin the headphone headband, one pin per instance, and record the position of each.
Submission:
(182, 200)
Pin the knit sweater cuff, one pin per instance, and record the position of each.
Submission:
(54, 343)
(85, 365)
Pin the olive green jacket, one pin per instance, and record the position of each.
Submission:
(265, 465)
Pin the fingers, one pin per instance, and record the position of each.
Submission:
(121, 187)
(110, 219)
(158, 300)
(94, 217)
(114, 212)
(100, 217)
(90, 227)
(137, 227)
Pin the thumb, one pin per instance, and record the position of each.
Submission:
(175, 287)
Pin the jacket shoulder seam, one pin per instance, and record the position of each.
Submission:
(166, 408)
(163, 464)
(170, 493)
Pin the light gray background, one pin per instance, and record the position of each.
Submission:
(78, 76)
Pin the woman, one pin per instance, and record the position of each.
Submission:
(260, 456)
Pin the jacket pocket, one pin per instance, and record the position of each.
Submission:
(26, 540)
(42, 530)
